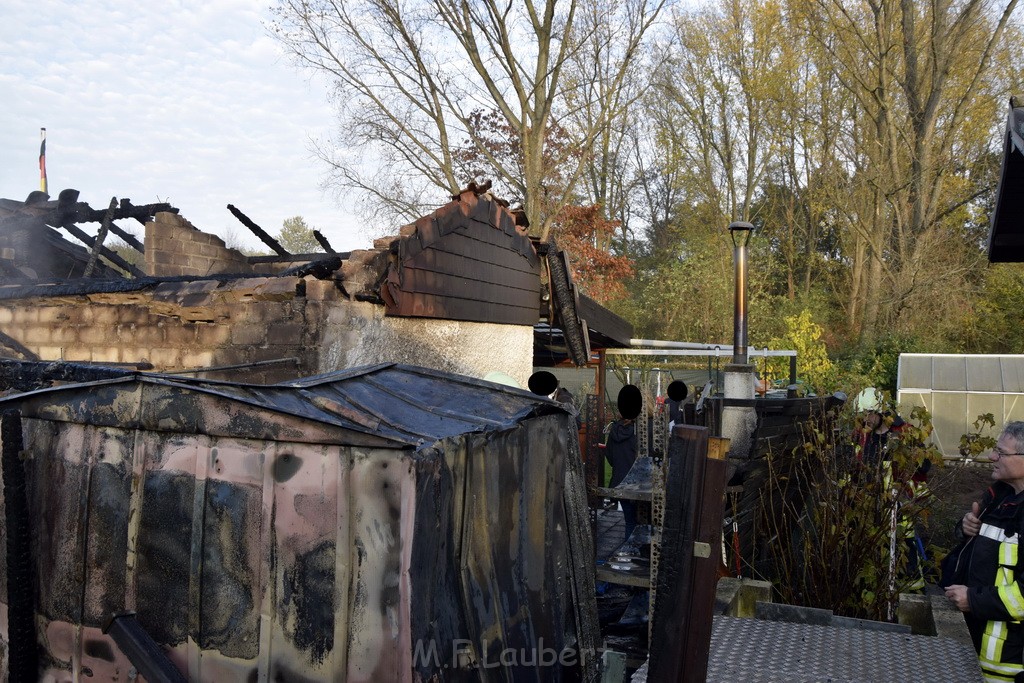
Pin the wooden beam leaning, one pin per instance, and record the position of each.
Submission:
(129, 239)
(258, 231)
(97, 244)
(705, 569)
(322, 241)
(104, 252)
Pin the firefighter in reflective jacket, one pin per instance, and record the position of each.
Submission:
(987, 577)
(876, 426)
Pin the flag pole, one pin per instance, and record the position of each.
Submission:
(42, 159)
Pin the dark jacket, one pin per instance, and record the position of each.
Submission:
(620, 449)
(979, 560)
(873, 445)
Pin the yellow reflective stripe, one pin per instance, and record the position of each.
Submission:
(1008, 554)
(1001, 669)
(992, 642)
(1003, 576)
(995, 678)
(1012, 599)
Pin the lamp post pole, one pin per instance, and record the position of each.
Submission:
(739, 421)
(740, 233)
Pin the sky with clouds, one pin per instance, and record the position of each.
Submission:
(187, 101)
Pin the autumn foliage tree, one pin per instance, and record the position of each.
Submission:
(494, 143)
(587, 239)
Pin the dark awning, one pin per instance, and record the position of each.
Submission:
(1006, 234)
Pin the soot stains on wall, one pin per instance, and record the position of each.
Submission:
(164, 553)
(309, 596)
(229, 621)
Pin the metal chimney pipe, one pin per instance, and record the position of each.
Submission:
(740, 233)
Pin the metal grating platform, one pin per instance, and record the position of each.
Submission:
(756, 651)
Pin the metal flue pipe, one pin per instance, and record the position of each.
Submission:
(740, 233)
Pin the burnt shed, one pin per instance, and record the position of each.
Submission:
(383, 523)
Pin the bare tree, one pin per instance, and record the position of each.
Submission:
(722, 87)
(410, 74)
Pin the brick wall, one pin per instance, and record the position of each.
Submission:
(175, 247)
(179, 326)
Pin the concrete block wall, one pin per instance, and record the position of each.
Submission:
(175, 247)
(179, 326)
(183, 326)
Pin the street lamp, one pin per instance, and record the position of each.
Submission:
(740, 233)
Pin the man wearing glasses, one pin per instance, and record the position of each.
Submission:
(989, 569)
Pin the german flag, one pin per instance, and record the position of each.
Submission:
(42, 160)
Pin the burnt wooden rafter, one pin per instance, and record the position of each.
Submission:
(258, 231)
(322, 241)
(100, 237)
(106, 253)
(565, 305)
(69, 209)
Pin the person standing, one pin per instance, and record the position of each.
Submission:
(677, 392)
(544, 383)
(874, 427)
(621, 449)
(877, 428)
(986, 580)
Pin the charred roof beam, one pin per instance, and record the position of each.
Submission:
(322, 241)
(100, 237)
(70, 209)
(104, 252)
(258, 231)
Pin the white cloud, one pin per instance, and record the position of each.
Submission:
(188, 102)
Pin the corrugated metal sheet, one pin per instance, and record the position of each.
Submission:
(384, 405)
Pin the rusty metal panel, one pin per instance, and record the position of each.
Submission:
(382, 515)
(249, 558)
(511, 539)
(308, 533)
